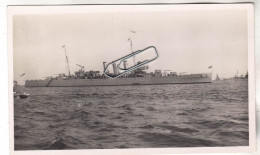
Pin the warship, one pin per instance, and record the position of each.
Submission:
(237, 77)
(138, 76)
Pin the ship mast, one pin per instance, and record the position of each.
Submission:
(67, 60)
(131, 44)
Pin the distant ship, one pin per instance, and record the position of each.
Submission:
(237, 77)
(139, 76)
(241, 76)
(17, 93)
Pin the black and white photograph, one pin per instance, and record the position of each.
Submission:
(131, 76)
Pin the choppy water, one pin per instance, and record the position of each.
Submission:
(188, 115)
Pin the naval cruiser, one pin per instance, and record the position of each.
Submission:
(138, 76)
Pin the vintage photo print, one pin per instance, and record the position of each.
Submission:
(131, 79)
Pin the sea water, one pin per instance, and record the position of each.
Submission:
(151, 116)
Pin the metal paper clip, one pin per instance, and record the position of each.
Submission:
(129, 69)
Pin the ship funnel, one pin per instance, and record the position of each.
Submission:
(125, 64)
(115, 68)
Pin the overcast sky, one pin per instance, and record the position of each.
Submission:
(187, 41)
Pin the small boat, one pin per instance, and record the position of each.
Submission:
(15, 94)
(24, 95)
(217, 78)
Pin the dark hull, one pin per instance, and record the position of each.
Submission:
(192, 79)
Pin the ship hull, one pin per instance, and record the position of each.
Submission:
(194, 79)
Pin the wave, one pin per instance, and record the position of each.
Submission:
(170, 140)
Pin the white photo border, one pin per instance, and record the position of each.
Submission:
(19, 10)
